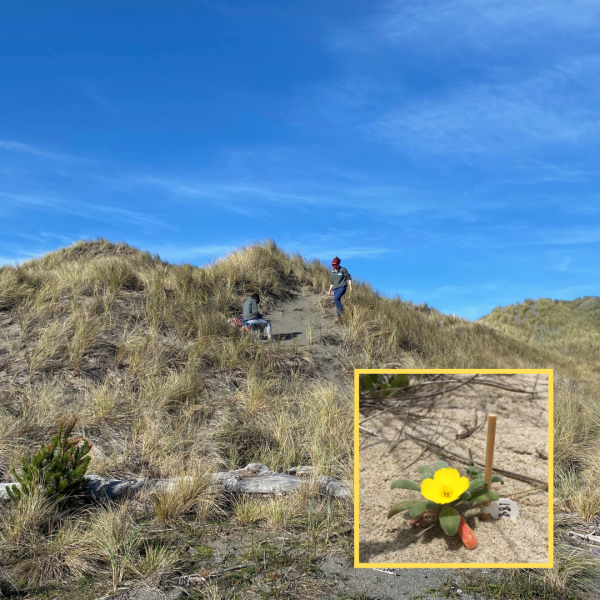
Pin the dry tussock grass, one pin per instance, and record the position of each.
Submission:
(192, 493)
(143, 351)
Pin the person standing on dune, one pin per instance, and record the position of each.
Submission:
(340, 280)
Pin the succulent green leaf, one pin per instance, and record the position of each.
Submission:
(406, 484)
(476, 484)
(399, 380)
(464, 496)
(369, 380)
(449, 520)
(484, 496)
(474, 473)
(497, 478)
(421, 507)
(425, 472)
(405, 505)
(440, 464)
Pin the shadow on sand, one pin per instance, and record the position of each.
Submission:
(286, 336)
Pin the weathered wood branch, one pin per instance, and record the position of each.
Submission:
(256, 478)
(510, 474)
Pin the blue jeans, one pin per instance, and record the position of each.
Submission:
(337, 298)
(262, 324)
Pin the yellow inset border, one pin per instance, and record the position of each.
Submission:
(550, 563)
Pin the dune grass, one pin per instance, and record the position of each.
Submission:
(143, 351)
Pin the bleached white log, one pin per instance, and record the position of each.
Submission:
(256, 478)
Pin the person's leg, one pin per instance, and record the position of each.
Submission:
(337, 298)
(252, 323)
(263, 324)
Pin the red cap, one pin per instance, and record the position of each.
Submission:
(336, 261)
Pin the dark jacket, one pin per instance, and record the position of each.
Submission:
(250, 310)
(340, 278)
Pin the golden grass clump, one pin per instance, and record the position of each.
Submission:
(39, 547)
(144, 351)
(247, 509)
(192, 493)
(116, 537)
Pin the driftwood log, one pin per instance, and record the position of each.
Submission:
(256, 478)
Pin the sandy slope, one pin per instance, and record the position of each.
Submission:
(304, 320)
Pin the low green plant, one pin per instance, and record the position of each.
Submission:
(475, 473)
(57, 468)
(443, 488)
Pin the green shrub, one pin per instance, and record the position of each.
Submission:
(57, 468)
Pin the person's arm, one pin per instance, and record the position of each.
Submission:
(349, 278)
(329, 290)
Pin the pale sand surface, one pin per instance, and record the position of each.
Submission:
(522, 427)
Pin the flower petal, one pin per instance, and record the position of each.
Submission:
(430, 489)
(462, 485)
(448, 476)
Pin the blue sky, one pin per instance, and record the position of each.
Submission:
(446, 150)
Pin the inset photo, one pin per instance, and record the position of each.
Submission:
(453, 468)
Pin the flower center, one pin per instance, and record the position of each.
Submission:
(446, 491)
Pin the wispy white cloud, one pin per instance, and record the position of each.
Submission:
(452, 289)
(97, 212)
(574, 291)
(563, 236)
(229, 192)
(20, 256)
(552, 108)
(569, 265)
(442, 24)
(99, 97)
(63, 239)
(13, 146)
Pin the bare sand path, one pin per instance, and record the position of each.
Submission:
(303, 321)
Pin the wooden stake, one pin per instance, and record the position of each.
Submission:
(489, 457)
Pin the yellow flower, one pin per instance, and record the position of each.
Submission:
(446, 486)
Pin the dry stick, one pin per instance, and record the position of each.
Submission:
(466, 459)
(397, 437)
(535, 489)
(368, 431)
(502, 387)
(455, 440)
(484, 408)
(435, 381)
(414, 398)
(367, 394)
(489, 458)
(377, 401)
(534, 386)
(421, 454)
(425, 530)
(213, 573)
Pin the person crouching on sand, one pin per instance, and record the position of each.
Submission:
(252, 316)
(340, 279)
